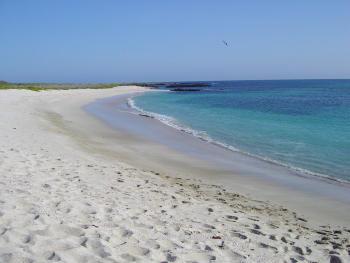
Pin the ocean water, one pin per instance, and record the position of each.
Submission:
(301, 124)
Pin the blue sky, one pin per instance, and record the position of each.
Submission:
(111, 40)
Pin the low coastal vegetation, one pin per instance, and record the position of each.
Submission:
(56, 86)
(35, 86)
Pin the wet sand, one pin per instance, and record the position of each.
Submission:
(238, 172)
(72, 189)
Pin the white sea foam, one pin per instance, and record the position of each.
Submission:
(172, 122)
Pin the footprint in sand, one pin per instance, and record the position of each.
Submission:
(239, 235)
(263, 245)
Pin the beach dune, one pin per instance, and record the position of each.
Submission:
(65, 196)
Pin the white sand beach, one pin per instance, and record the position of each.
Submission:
(74, 190)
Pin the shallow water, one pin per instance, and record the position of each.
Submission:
(302, 124)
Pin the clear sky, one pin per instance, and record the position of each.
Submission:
(168, 40)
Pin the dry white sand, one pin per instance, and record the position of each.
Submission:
(61, 200)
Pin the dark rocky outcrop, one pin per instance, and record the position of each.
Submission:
(188, 85)
(185, 89)
(175, 86)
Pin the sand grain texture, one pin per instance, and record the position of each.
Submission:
(61, 203)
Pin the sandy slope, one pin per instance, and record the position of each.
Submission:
(61, 202)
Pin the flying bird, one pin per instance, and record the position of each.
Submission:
(225, 43)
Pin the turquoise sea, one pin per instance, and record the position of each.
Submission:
(300, 124)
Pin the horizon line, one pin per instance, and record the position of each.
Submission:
(166, 81)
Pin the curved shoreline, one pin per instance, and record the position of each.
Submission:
(75, 190)
(183, 153)
(171, 122)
